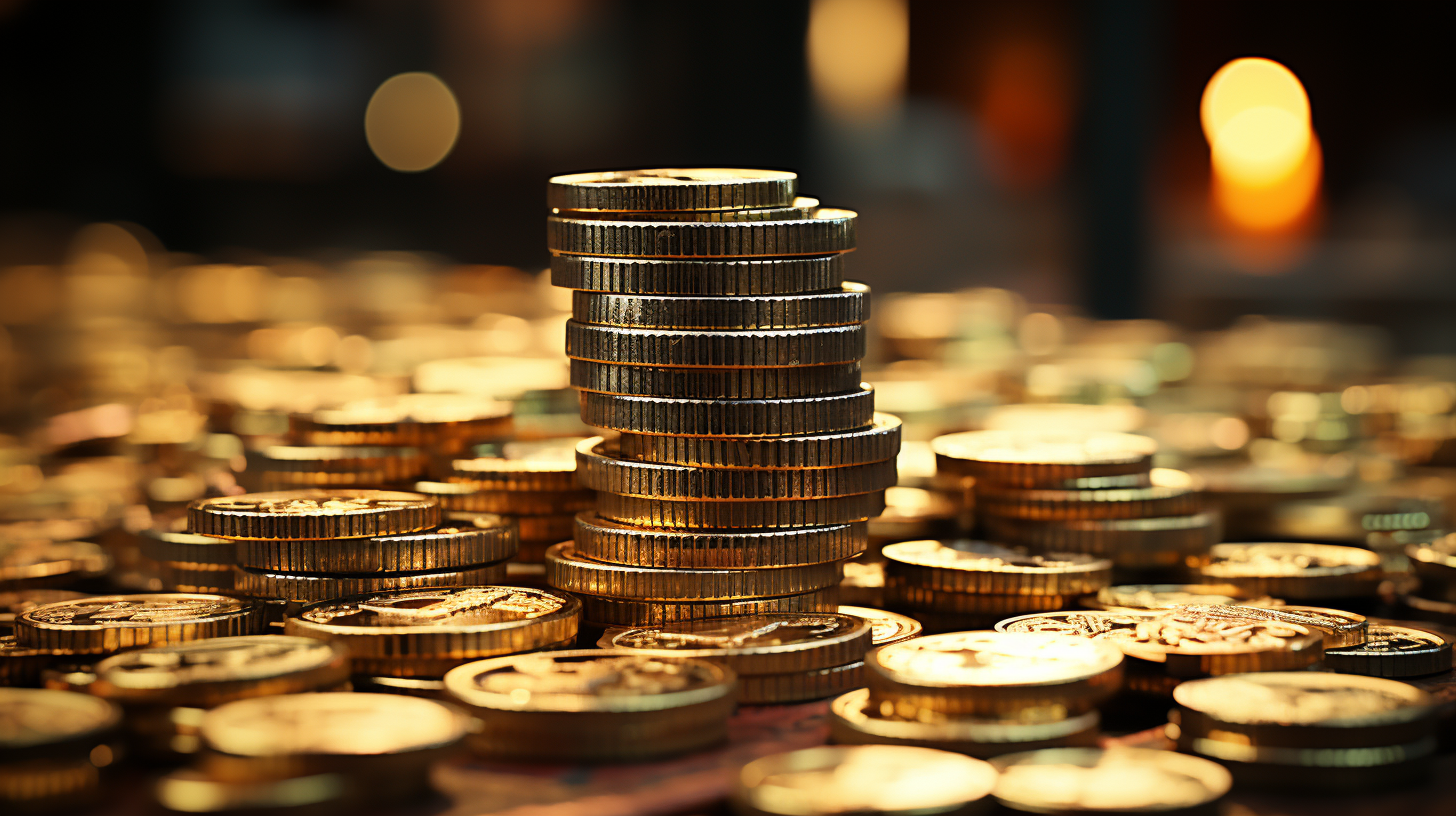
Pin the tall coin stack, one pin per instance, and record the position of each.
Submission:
(713, 331)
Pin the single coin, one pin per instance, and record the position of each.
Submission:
(801, 207)
(1187, 642)
(769, 643)
(548, 465)
(1144, 597)
(715, 383)
(165, 545)
(110, 623)
(432, 422)
(1110, 780)
(695, 188)
(1134, 543)
(715, 349)
(286, 466)
(1065, 417)
(801, 686)
(13, 602)
(862, 779)
(312, 514)
(914, 600)
(603, 540)
(461, 497)
(885, 627)
(1170, 493)
(185, 576)
(604, 612)
(36, 722)
(826, 231)
(602, 466)
(210, 672)
(36, 563)
(483, 539)
(568, 570)
(1303, 710)
(305, 588)
(419, 631)
(190, 791)
(848, 306)
(855, 720)
(827, 414)
(981, 568)
(1031, 460)
(730, 277)
(1393, 651)
(1295, 571)
(1435, 565)
(733, 515)
(593, 705)
(1340, 628)
(879, 442)
(994, 674)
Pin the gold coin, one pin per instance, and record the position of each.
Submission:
(484, 539)
(800, 686)
(391, 632)
(855, 720)
(190, 791)
(312, 514)
(21, 665)
(601, 466)
(37, 563)
(1295, 571)
(1187, 642)
(885, 627)
(1110, 780)
(862, 779)
(184, 576)
(1143, 597)
(916, 599)
(43, 720)
(718, 277)
(567, 570)
(459, 497)
(1435, 565)
(913, 513)
(1035, 676)
(1030, 460)
(981, 568)
(672, 189)
(732, 515)
(877, 443)
(13, 602)
(305, 588)
(165, 545)
(826, 231)
(435, 422)
(846, 306)
(1340, 628)
(783, 348)
(832, 413)
(604, 612)
(801, 207)
(766, 643)
(603, 540)
(1170, 493)
(1134, 543)
(715, 383)
(102, 624)
(1393, 651)
(210, 672)
(545, 466)
(281, 467)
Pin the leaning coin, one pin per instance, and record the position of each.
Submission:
(1112, 780)
(210, 672)
(981, 568)
(1393, 651)
(768, 643)
(103, 624)
(894, 780)
(1340, 628)
(312, 514)
(855, 720)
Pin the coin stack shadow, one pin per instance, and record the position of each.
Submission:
(713, 331)
(1091, 493)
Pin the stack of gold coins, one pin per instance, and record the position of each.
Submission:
(779, 657)
(981, 693)
(286, 467)
(314, 545)
(166, 690)
(713, 331)
(1297, 572)
(35, 563)
(1167, 647)
(1113, 781)
(593, 705)
(1309, 730)
(438, 424)
(1091, 493)
(872, 780)
(53, 747)
(188, 562)
(423, 633)
(956, 585)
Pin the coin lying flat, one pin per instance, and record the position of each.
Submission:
(1435, 565)
(22, 665)
(312, 514)
(732, 515)
(848, 305)
(1143, 597)
(109, 623)
(209, 672)
(613, 542)
(465, 497)
(568, 570)
(484, 539)
(716, 277)
(800, 686)
(827, 231)
(417, 632)
(801, 207)
(593, 705)
(672, 189)
(768, 643)
(715, 383)
(1112, 780)
(1340, 628)
(862, 779)
(1135, 543)
(877, 443)
(1392, 651)
(855, 720)
(1034, 676)
(1295, 571)
(1169, 493)
(36, 563)
(885, 627)
(833, 413)
(981, 568)
(1041, 459)
(429, 421)
(190, 791)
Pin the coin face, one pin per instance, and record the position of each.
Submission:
(216, 660)
(761, 633)
(109, 611)
(441, 608)
(1042, 447)
(1277, 559)
(333, 723)
(1340, 628)
(979, 556)
(863, 779)
(587, 680)
(1393, 651)
(995, 659)
(1113, 780)
(1304, 698)
(37, 717)
(1169, 596)
(17, 601)
(885, 627)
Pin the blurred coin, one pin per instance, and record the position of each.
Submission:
(862, 779)
(1112, 780)
(767, 643)
(1295, 571)
(209, 672)
(855, 720)
(1041, 459)
(981, 568)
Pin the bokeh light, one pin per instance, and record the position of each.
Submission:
(412, 122)
(858, 51)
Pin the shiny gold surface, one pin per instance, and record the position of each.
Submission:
(879, 779)
(1113, 780)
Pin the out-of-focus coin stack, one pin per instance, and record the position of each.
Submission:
(957, 585)
(1321, 573)
(54, 746)
(188, 562)
(981, 693)
(1433, 564)
(1094, 493)
(304, 546)
(1114, 780)
(713, 332)
(1309, 730)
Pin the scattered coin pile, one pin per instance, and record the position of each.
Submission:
(313, 545)
(713, 332)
